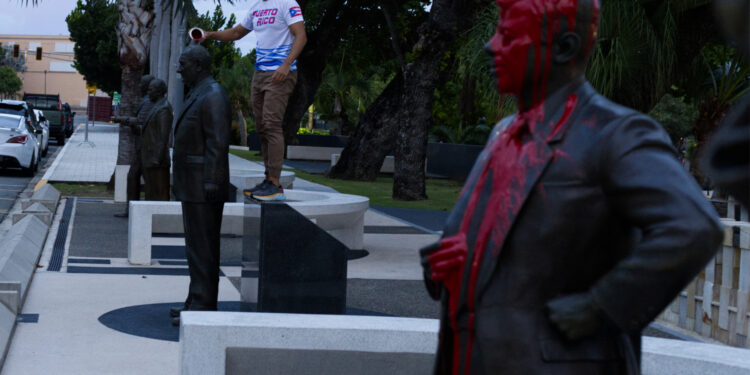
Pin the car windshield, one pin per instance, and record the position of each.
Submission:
(43, 103)
(12, 110)
(8, 122)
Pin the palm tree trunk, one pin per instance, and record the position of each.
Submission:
(134, 37)
(176, 90)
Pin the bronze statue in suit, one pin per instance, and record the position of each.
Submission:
(155, 143)
(136, 125)
(577, 225)
(201, 174)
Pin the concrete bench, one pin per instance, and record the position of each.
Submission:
(240, 343)
(341, 215)
(311, 152)
(389, 163)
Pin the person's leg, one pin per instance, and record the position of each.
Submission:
(274, 108)
(161, 191)
(257, 97)
(202, 223)
(157, 183)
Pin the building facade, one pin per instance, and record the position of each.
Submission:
(54, 73)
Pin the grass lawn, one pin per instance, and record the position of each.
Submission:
(442, 193)
(83, 190)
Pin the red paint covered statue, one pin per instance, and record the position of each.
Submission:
(577, 225)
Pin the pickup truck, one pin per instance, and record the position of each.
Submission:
(53, 111)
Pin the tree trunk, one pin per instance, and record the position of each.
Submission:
(320, 44)
(243, 127)
(131, 94)
(133, 39)
(161, 40)
(403, 112)
(373, 139)
(176, 89)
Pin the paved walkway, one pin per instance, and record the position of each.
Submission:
(87, 162)
(97, 314)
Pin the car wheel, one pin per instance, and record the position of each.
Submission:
(29, 172)
(44, 153)
(61, 140)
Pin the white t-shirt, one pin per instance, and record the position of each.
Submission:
(270, 20)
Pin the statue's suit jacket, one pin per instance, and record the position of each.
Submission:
(155, 139)
(608, 211)
(201, 143)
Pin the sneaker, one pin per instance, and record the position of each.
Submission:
(259, 186)
(270, 192)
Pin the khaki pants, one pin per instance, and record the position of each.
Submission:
(269, 105)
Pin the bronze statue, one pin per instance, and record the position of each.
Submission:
(155, 143)
(136, 125)
(577, 225)
(201, 174)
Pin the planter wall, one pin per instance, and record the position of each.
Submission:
(452, 160)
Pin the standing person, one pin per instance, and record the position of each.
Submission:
(577, 225)
(136, 125)
(201, 175)
(155, 143)
(280, 30)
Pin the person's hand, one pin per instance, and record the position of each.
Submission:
(575, 316)
(211, 191)
(280, 74)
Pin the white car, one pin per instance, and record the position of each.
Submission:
(44, 123)
(18, 145)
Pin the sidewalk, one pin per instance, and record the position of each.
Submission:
(97, 314)
(92, 162)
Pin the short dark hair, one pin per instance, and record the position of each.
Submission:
(159, 84)
(199, 54)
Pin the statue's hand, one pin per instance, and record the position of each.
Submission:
(575, 316)
(446, 264)
(211, 191)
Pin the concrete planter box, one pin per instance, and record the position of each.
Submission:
(452, 160)
(253, 140)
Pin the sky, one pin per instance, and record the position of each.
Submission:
(49, 17)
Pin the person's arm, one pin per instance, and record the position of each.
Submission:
(300, 39)
(229, 35)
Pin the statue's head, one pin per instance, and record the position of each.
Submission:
(145, 82)
(540, 40)
(195, 64)
(157, 89)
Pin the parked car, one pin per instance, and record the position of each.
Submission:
(26, 110)
(70, 117)
(44, 123)
(53, 111)
(18, 146)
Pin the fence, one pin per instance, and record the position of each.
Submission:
(715, 304)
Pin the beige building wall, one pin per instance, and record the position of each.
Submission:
(54, 74)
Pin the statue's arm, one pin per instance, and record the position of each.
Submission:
(645, 184)
(164, 128)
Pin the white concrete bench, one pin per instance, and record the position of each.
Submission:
(389, 163)
(341, 215)
(229, 342)
(311, 152)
